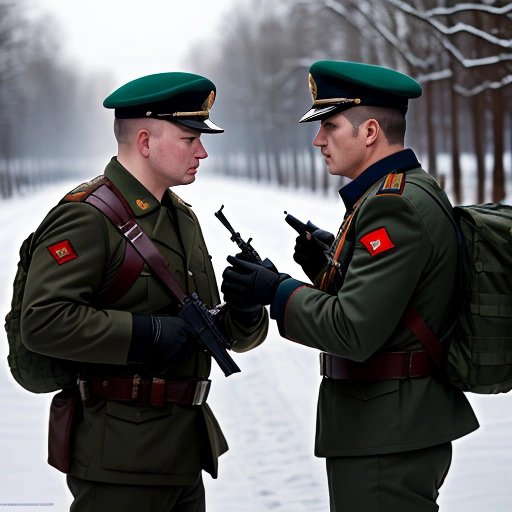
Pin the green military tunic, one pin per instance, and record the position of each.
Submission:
(412, 261)
(62, 316)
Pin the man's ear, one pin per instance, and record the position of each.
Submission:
(372, 131)
(142, 141)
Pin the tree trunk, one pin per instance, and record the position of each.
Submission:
(431, 134)
(479, 135)
(498, 134)
(455, 149)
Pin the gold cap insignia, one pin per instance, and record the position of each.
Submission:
(208, 102)
(312, 87)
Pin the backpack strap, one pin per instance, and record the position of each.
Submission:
(132, 263)
(432, 344)
(113, 205)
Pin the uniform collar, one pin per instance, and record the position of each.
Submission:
(141, 201)
(397, 162)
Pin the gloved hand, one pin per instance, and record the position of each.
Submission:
(309, 251)
(173, 339)
(249, 284)
(247, 315)
(160, 338)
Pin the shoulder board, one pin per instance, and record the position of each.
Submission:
(393, 183)
(84, 190)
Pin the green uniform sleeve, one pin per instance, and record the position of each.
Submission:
(58, 317)
(376, 291)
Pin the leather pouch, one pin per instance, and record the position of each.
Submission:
(64, 410)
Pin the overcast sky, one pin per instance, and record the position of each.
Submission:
(132, 38)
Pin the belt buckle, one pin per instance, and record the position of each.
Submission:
(201, 392)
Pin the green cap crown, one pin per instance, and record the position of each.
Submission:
(340, 85)
(184, 98)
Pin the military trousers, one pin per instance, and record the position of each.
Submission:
(395, 482)
(98, 497)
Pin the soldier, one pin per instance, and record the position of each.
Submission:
(144, 430)
(386, 416)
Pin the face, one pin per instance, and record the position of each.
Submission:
(174, 153)
(345, 152)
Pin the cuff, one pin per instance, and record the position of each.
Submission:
(142, 334)
(283, 294)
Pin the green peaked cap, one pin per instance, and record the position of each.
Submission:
(183, 98)
(339, 85)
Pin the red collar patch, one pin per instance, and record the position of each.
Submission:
(62, 252)
(377, 241)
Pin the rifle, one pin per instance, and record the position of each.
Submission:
(247, 249)
(306, 229)
(195, 313)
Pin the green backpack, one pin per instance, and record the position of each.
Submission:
(35, 372)
(44, 374)
(476, 353)
(480, 349)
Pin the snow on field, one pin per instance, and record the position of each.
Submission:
(268, 411)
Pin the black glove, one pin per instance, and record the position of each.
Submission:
(247, 315)
(249, 284)
(309, 251)
(160, 338)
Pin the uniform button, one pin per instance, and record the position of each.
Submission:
(190, 273)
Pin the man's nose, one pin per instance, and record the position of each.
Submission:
(319, 140)
(201, 152)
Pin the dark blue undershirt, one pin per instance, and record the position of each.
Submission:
(397, 162)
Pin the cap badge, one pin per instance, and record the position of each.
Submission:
(208, 102)
(312, 87)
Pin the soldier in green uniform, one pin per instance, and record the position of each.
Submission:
(144, 431)
(386, 416)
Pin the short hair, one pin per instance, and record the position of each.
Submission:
(124, 129)
(391, 121)
(121, 130)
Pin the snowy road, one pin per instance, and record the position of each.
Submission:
(268, 411)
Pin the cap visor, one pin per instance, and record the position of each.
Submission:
(316, 113)
(201, 125)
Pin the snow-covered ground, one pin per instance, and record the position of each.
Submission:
(267, 411)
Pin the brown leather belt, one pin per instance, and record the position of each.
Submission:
(387, 365)
(146, 392)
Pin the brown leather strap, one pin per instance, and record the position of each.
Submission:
(415, 323)
(109, 201)
(387, 365)
(154, 392)
(125, 277)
